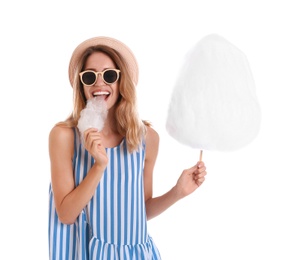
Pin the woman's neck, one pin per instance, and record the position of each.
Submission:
(110, 134)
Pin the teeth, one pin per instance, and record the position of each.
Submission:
(100, 93)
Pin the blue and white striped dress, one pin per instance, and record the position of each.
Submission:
(113, 225)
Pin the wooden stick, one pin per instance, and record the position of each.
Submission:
(201, 155)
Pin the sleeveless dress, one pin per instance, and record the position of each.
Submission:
(113, 225)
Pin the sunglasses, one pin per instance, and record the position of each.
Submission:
(89, 77)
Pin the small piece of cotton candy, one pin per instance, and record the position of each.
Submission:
(93, 115)
(214, 105)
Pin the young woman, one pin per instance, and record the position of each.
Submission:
(101, 184)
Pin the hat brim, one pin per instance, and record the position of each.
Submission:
(117, 45)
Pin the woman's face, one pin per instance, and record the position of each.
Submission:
(99, 62)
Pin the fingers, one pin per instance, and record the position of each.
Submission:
(89, 132)
(92, 138)
(200, 164)
(200, 173)
(198, 169)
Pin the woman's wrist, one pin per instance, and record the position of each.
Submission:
(176, 193)
(98, 167)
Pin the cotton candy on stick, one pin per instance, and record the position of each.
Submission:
(214, 104)
(93, 115)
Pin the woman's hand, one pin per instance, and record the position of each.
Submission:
(93, 144)
(190, 180)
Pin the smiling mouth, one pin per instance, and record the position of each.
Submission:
(101, 94)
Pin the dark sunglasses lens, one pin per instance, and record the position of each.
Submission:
(110, 76)
(88, 78)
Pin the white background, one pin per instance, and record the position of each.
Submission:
(239, 211)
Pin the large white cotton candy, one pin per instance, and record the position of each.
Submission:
(93, 115)
(214, 104)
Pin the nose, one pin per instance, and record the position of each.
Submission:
(99, 80)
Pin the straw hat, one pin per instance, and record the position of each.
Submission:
(120, 47)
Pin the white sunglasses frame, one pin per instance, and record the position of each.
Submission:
(99, 73)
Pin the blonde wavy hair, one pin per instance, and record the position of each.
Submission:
(128, 123)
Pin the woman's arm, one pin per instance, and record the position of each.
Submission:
(189, 180)
(70, 200)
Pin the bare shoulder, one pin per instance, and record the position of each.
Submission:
(61, 139)
(152, 143)
(61, 133)
(152, 137)
(151, 152)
